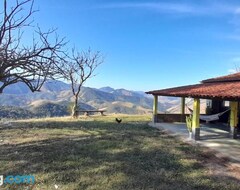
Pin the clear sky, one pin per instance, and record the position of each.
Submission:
(147, 44)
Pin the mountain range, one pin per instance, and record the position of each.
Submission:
(55, 99)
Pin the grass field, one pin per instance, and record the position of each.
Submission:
(98, 153)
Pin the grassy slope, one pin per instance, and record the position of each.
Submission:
(97, 153)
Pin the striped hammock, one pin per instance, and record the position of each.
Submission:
(207, 118)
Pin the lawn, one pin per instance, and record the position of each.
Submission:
(98, 153)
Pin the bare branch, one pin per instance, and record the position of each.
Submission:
(34, 64)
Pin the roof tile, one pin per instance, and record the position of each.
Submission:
(210, 90)
(226, 78)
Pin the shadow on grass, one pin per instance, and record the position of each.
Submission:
(122, 157)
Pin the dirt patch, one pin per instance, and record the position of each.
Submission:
(219, 165)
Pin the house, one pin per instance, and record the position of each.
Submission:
(218, 91)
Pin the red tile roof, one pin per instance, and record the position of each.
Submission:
(226, 87)
(226, 78)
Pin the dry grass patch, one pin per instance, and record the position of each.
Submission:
(98, 153)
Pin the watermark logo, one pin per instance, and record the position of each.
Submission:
(18, 179)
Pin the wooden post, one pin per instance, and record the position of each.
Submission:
(155, 108)
(233, 119)
(182, 109)
(195, 119)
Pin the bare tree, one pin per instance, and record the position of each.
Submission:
(77, 70)
(31, 64)
(236, 69)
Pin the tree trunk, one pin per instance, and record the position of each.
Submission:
(75, 108)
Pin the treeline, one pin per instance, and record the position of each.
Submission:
(49, 110)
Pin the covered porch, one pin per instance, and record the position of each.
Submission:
(213, 136)
(226, 88)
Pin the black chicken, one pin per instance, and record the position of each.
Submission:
(118, 120)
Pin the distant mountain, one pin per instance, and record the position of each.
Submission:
(55, 99)
(107, 89)
(49, 86)
(189, 102)
(19, 88)
(54, 86)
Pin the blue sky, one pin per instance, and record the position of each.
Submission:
(150, 44)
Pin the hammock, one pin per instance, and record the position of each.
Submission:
(213, 117)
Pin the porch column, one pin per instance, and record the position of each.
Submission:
(182, 105)
(182, 109)
(155, 108)
(195, 119)
(233, 119)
